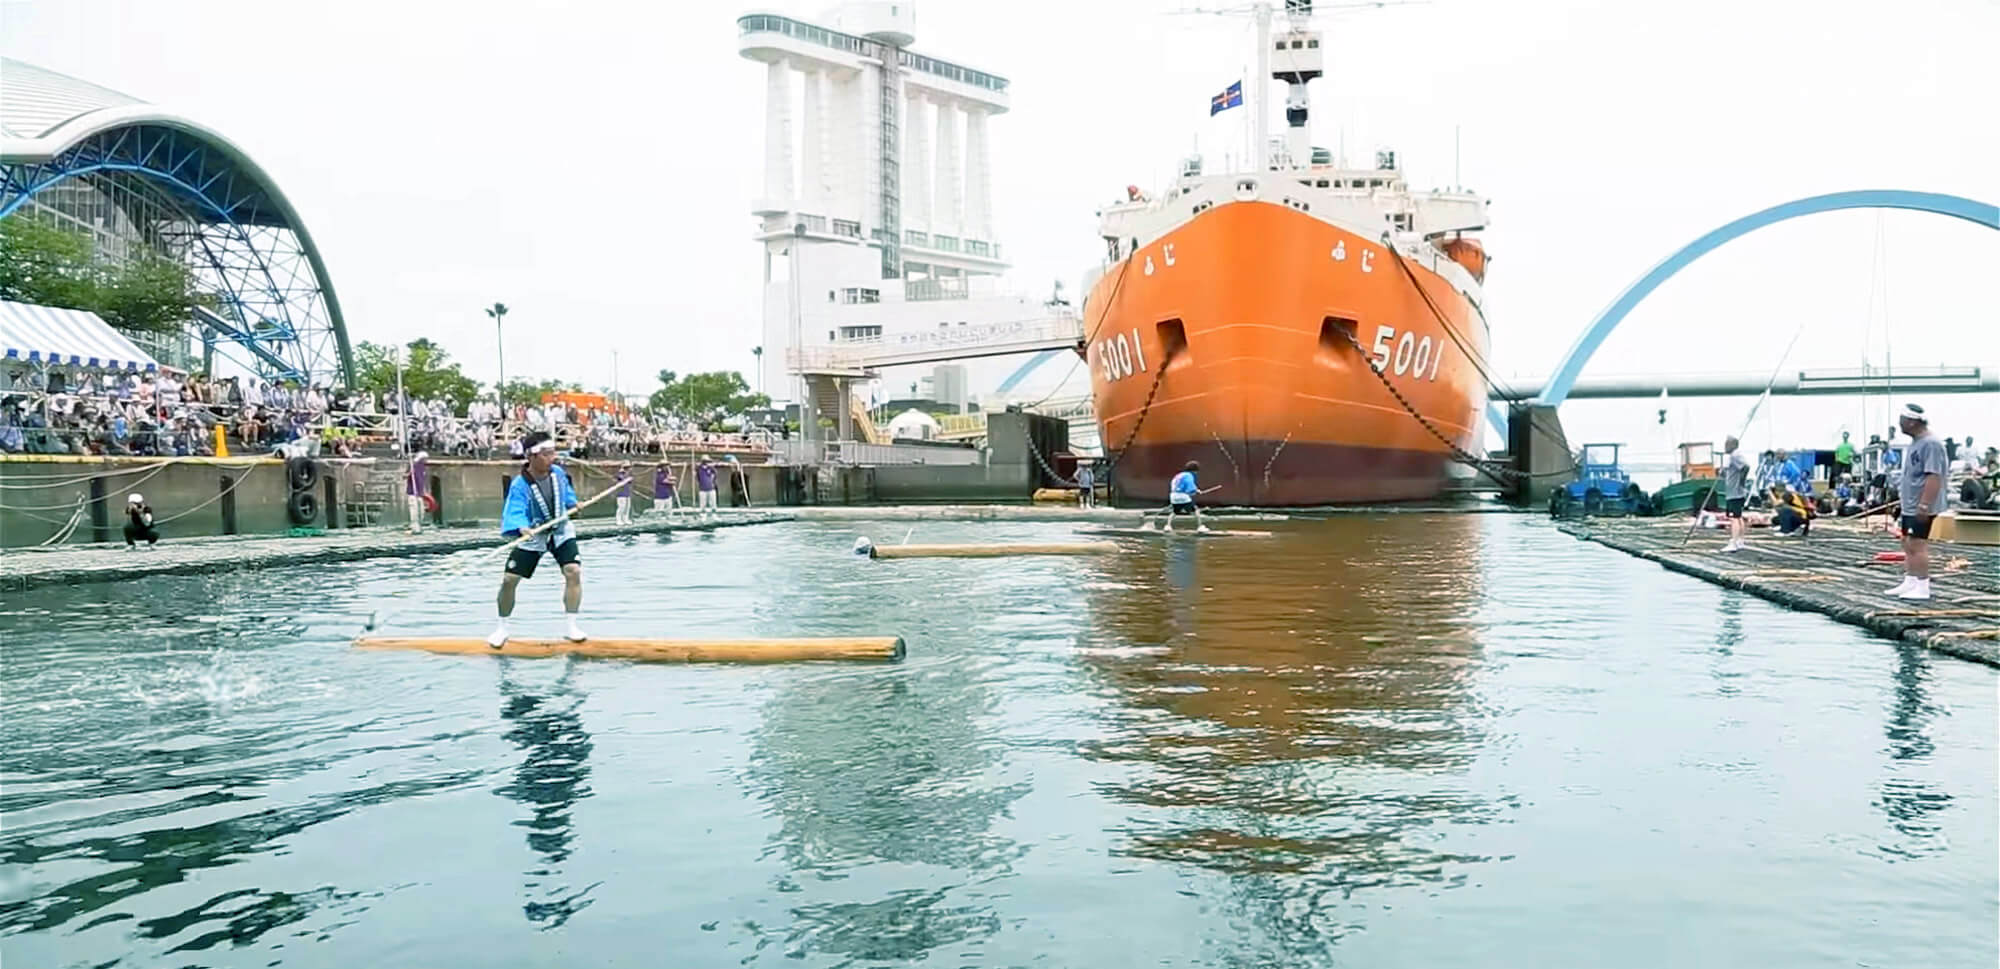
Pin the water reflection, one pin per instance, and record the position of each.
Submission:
(863, 770)
(1728, 636)
(1911, 803)
(1309, 715)
(544, 722)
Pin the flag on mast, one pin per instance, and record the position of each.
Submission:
(1231, 97)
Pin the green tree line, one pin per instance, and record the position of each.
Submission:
(430, 373)
(55, 266)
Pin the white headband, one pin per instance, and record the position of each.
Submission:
(1912, 412)
(544, 446)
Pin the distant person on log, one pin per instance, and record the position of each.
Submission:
(624, 495)
(704, 486)
(1086, 486)
(1847, 498)
(416, 488)
(1791, 512)
(536, 497)
(1843, 458)
(1923, 496)
(139, 522)
(663, 488)
(1735, 492)
(739, 484)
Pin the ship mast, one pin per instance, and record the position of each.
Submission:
(1260, 149)
(1298, 62)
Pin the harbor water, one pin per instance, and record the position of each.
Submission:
(1374, 740)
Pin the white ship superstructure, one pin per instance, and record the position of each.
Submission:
(877, 213)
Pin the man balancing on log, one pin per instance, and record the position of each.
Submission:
(1181, 493)
(536, 497)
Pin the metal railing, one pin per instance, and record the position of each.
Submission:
(943, 343)
(772, 23)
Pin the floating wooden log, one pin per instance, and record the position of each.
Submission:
(989, 551)
(876, 648)
(1163, 533)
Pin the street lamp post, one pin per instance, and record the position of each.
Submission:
(402, 408)
(498, 311)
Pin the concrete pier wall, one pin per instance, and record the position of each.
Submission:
(250, 496)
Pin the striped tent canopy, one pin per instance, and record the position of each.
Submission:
(47, 335)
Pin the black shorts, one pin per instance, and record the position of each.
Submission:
(1914, 527)
(522, 561)
(1182, 507)
(1733, 507)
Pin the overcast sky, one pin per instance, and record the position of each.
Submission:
(592, 163)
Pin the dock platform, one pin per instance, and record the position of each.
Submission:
(1832, 572)
(29, 568)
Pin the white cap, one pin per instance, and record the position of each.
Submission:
(135, 499)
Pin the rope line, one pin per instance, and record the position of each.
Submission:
(1478, 365)
(65, 482)
(1755, 405)
(1113, 457)
(26, 509)
(1493, 468)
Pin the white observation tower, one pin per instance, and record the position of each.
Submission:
(877, 216)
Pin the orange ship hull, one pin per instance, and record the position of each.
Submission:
(1236, 325)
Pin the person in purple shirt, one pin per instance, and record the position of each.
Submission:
(417, 486)
(663, 488)
(704, 485)
(624, 495)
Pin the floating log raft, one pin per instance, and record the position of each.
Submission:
(1833, 572)
(880, 649)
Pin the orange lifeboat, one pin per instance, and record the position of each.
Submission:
(1468, 253)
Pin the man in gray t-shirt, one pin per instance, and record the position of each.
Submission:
(1735, 474)
(1922, 490)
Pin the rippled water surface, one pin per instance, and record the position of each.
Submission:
(1376, 740)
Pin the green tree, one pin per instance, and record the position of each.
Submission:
(531, 392)
(704, 398)
(148, 294)
(54, 266)
(429, 373)
(45, 265)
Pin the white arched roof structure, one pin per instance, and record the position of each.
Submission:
(232, 224)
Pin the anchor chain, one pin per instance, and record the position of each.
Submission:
(1459, 454)
(1112, 457)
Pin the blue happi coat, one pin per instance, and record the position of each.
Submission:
(526, 508)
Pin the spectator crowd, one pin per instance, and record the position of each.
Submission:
(91, 411)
